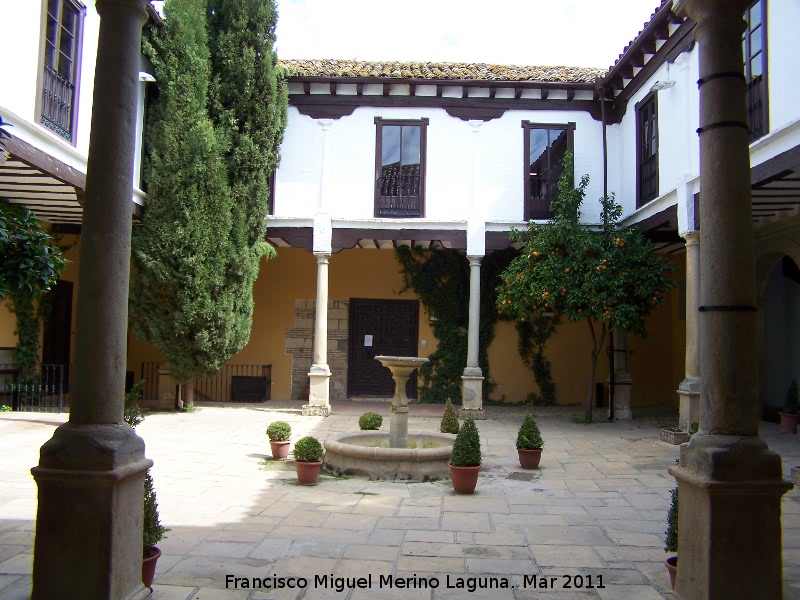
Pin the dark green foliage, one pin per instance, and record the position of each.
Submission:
(30, 264)
(533, 335)
(529, 437)
(672, 524)
(133, 414)
(608, 278)
(440, 277)
(370, 421)
(153, 531)
(212, 141)
(792, 405)
(308, 449)
(248, 102)
(179, 300)
(467, 446)
(449, 422)
(279, 431)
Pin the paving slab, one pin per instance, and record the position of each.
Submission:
(595, 509)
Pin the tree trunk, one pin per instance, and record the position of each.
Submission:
(597, 344)
(178, 398)
(188, 395)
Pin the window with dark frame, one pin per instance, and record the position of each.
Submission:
(400, 167)
(546, 145)
(754, 50)
(61, 66)
(647, 149)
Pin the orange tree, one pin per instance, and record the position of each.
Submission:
(606, 275)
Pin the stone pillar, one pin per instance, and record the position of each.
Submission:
(689, 389)
(623, 382)
(726, 473)
(472, 380)
(320, 374)
(90, 475)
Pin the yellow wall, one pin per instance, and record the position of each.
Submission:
(361, 273)
(7, 326)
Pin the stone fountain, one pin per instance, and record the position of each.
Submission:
(381, 456)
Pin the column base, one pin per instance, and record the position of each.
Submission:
(319, 404)
(622, 396)
(689, 392)
(472, 391)
(88, 540)
(724, 551)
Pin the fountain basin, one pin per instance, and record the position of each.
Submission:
(360, 454)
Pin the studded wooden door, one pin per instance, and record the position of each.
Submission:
(380, 327)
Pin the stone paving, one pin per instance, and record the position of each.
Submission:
(591, 517)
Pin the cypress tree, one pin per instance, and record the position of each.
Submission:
(179, 299)
(248, 104)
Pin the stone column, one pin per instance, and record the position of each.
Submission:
(320, 374)
(689, 389)
(730, 484)
(472, 380)
(90, 475)
(623, 382)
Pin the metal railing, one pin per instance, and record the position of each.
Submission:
(37, 389)
(233, 383)
(57, 102)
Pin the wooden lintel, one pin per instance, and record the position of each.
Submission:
(42, 161)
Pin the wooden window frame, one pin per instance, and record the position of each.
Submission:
(756, 89)
(527, 126)
(69, 134)
(647, 107)
(387, 213)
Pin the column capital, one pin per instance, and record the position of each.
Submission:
(476, 125)
(137, 7)
(474, 260)
(325, 124)
(692, 237)
(322, 257)
(704, 10)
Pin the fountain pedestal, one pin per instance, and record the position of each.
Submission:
(401, 368)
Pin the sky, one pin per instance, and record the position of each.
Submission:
(578, 33)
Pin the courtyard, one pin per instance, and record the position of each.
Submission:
(588, 524)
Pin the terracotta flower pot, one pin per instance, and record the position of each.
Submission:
(307, 472)
(464, 479)
(529, 459)
(280, 450)
(149, 568)
(672, 567)
(789, 422)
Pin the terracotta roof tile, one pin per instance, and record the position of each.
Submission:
(439, 71)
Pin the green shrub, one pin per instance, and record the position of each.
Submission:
(792, 405)
(133, 414)
(529, 437)
(279, 431)
(467, 446)
(449, 419)
(672, 524)
(370, 420)
(5, 408)
(308, 449)
(152, 531)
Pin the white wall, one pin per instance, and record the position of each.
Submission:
(783, 54)
(499, 178)
(19, 73)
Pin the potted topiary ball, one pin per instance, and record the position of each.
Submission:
(370, 421)
(790, 415)
(529, 443)
(152, 533)
(671, 537)
(465, 458)
(279, 433)
(449, 422)
(308, 453)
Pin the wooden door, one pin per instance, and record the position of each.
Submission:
(380, 327)
(58, 329)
